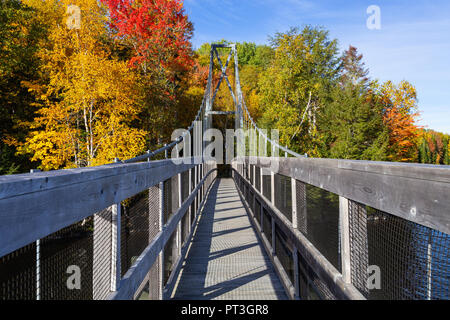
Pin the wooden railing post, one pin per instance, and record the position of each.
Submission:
(272, 199)
(197, 202)
(161, 227)
(296, 273)
(272, 188)
(180, 202)
(115, 246)
(156, 216)
(294, 202)
(191, 184)
(273, 236)
(344, 239)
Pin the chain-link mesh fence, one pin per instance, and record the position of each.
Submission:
(134, 229)
(175, 193)
(322, 220)
(251, 200)
(284, 253)
(257, 211)
(185, 228)
(18, 274)
(267, 225)
(65, 253)
(170, 256)
(258, 178)
(167, 200)
(413, 260)
(283, 195)
(311, 287)
(267, 186)
(185, 185)
(300, 190)
(78, 261)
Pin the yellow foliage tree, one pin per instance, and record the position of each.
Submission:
(90, 100)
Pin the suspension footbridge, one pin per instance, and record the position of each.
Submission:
(282, 226)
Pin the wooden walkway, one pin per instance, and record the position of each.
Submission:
(226, 259)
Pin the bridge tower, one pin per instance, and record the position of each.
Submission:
(235, 94)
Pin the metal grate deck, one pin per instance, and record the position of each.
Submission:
(226, 259)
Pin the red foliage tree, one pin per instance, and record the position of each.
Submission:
(159, 30)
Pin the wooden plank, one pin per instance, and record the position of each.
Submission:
(414, 192)
(344, 239)
(33, 206)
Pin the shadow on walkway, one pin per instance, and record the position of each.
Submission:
(226, 259)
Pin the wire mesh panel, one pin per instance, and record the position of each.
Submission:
(167, 200)
(170, 256)
(257, 211)
(185, 228)
(359, 255)
(144, 291)
(413, 259)
(18, 274)
(192, 178)
(322, 208)
(284, 253)
(258, 178)
(283, 195)
(311, 287)
(185, 185)
(192, 212)
(175, 194)
(267, 186)
(246, 191)
(302, 224)
(63, 254)
(251, 200)
(267, 225)
(134, 229)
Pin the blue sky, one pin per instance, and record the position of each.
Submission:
(413, 43)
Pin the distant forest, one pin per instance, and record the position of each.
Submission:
(122, 80)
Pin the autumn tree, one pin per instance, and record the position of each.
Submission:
(295, 86)
(159, 33)
(89, 102)
(400, 113)
(433, 147)
(20, 39)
